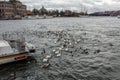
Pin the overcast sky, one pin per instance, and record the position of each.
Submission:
(78, 5)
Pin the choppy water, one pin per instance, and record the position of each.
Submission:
(89, 47)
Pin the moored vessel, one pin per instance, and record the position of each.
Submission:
(118, 16)
(14, 50)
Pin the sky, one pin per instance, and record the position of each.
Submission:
(75, 5)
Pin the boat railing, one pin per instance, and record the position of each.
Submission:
(13, 37)
(16, 41)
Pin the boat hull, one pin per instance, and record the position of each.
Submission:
(13, 58)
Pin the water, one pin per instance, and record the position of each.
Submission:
(89, 48)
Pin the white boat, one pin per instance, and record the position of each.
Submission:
(119, 17)
(17, 17)
(37, 17)
(14, 50)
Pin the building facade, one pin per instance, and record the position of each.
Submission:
(12, 8)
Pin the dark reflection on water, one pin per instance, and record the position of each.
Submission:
(89, 48)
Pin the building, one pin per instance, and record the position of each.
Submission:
(29, 13)
(12, 8)
(68, 13)
(43, 10)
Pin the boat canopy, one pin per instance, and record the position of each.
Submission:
(5, 48)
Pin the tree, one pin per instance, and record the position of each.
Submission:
(62, 13)
(35, 11)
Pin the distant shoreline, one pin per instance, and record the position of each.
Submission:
(63, 17)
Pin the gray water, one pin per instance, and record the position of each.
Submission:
(90, 49)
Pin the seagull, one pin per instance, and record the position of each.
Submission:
(66, 49)
(56, 52)
(58, 55)
(45, 60)
(48, 56)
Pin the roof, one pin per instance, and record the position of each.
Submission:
(5, 48)
(3, 43)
